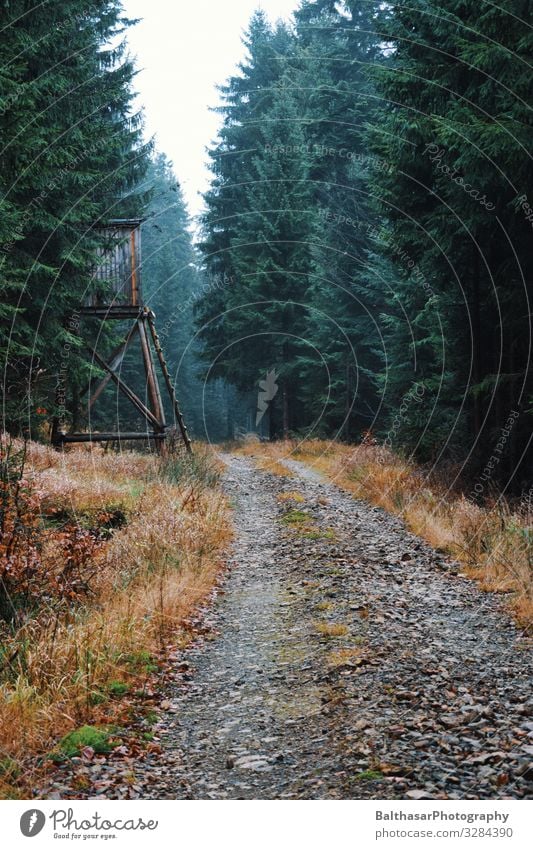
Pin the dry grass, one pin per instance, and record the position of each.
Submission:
(331, 629)
(494, 542)
(152, 574)
(266, 457)
(340, 657)
(273, 467)
(293, 495)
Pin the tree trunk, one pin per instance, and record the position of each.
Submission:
(476, 342)
(285, 412)
(75, 409)
(347, 410)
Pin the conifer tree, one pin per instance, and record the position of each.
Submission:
(71, 157)
(337, 44)
(454, 126)
(251, 219)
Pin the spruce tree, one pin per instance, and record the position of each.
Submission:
(71, 158)
(454, 127)
(250, 219)
(336, 45)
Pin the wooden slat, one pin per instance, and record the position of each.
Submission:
(153, 386)
(119, 266)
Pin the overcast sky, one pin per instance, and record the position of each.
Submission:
(184, 48)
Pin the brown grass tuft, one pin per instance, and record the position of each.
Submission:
(293, 495)
(340, 657)
(273, 467)
(331, 629)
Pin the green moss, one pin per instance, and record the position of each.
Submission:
(312, 535)
(294, 517)
(97, 698)
(118, 688)
(318, 534)
(369, 775)
(151, 717)
(98, 737)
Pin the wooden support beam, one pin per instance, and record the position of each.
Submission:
(170, 388)
(106, 437)
(114, 311)
(151, 378)
(125, 389)
(115, 363)
(116, 359)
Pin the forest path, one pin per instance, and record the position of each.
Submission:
(342, 658)
(347, 660)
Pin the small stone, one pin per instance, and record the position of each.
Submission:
(396, 730)
(525, 770)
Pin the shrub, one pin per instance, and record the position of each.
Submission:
(37, 564)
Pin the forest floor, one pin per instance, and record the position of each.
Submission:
(342, 657)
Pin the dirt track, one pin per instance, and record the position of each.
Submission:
(424, 693)
(343, 659)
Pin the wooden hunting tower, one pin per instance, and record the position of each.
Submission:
(119, 297)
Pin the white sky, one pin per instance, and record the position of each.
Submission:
(183, 49)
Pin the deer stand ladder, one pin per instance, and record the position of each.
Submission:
(120, 265)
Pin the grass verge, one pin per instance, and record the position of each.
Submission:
(67, 660)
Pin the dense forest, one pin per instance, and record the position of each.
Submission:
(365, 245)
(72, 157)
(280, 546)
(370, 206)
